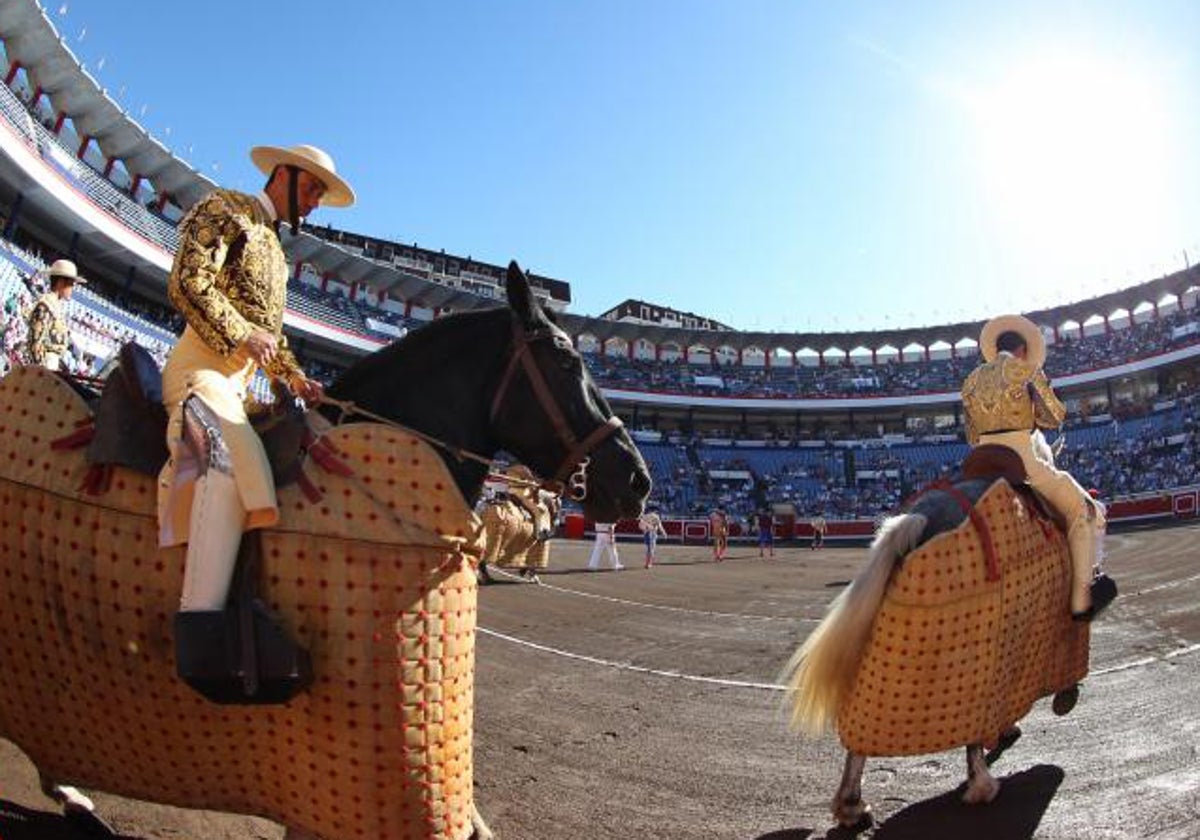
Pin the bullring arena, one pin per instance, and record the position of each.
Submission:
(643, 704)
(640, 703)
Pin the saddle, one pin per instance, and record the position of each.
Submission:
(130, 423)
(992, 461)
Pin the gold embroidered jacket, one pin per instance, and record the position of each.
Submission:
(1008, 393)
(230, 276)
(48, 331)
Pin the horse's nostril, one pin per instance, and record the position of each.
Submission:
(640, 482)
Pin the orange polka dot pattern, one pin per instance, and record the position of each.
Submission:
(381, 745)
(955, 659)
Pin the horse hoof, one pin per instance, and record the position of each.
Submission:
(1065, 701)
(851, 814)
(982, 793)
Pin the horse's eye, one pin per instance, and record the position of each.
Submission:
(569, 362)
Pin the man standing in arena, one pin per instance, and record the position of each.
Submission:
(229, 281)
(1008, 400)
(605, 545)
(766, 532)
(49, 336)
(819, 527)
(652, 528)
(718, 527)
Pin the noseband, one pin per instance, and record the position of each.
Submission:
(572, 471)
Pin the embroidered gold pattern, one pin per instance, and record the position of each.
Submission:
(47, 329)
(230, 276)
(1009, 393)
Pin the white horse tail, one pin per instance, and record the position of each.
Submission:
(821, 673)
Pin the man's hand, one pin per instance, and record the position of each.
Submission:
(261, 346)
(309, 390)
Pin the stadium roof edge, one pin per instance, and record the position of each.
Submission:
(31, 39)
(1125, 299)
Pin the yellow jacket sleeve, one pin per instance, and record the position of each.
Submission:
(284, 366)
(206, 235)
(972, 432)
(1048, 410)
(40, 322)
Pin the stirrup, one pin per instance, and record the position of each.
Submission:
(1104, 592)
(242, 654)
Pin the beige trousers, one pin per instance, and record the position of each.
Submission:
(207, 507)
(1084, 517)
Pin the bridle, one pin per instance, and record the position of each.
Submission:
(572, 471)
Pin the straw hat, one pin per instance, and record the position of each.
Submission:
(1035, 342)
(313, 161)
(519, 471)
(64, 269)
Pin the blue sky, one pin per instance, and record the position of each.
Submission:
(775, 165)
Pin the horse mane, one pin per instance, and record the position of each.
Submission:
(391, 359)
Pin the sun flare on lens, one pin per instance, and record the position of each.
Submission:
(1076, 155)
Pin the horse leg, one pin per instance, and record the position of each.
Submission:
(482, 832)
(848, 807)
(982, 786)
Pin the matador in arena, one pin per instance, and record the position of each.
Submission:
(1008, 401)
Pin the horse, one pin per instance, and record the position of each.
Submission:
(370, 568)
(957, 623)
(517, 525)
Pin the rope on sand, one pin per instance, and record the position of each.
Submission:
(664, 607)
(762, 686)
(626, 666)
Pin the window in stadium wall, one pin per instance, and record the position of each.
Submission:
(926, 423)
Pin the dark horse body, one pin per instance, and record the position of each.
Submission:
(444, 380)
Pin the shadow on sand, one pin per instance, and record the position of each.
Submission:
(1015, 815)
(20, 823)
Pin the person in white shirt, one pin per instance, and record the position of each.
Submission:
(652, 528)
(606, 544)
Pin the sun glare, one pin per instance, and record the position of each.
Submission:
(1077, 163)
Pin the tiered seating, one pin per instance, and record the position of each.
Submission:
(101, 191)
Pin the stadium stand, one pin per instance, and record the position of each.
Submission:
(1124, 439)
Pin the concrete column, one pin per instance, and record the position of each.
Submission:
(10, 227)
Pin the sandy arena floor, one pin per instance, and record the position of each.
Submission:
(642, 704)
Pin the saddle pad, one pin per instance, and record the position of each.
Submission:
(954, 658)
(375, 579)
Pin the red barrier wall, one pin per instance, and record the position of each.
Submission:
(1168, 505)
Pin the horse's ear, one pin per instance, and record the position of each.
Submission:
(520, 295)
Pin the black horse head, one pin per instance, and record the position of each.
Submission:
(508, 379)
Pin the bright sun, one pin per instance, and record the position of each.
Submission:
(1076, 155)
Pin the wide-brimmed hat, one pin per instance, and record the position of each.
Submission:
(519, 471)
(64, 269)
(312, 160)
(1035, 342)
